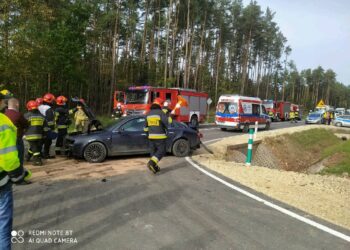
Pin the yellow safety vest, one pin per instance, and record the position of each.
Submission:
(9, 160)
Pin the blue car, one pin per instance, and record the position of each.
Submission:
(314, 118)
(126, 137)
(342, 121)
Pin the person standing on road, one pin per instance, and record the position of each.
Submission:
(291, 116)
(167, 111)
(11, 171)
(62, 121)
(331, 115)
(35, 132)
(20, 122)
(46, 109)
(156, 126)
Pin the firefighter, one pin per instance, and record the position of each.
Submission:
(6, 95)
(10, 172)
(297, 115)
(118, 112)
(39, 101)
(292, 116)
(47, 110)
(62, 122)
(81, 119)
(156, 126)
(167, 111)
(35, 133)
(325, 117)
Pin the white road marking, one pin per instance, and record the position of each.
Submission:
(217, 139)
(270, 204)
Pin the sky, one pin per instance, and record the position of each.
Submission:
(318, 32)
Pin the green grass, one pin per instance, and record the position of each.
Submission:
(344, 164)
(325, 144)
(314, 139)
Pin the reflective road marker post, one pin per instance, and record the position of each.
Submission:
(250, 148)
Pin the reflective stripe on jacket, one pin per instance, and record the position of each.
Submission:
(37, 125)
(156, 124)
(62, 117)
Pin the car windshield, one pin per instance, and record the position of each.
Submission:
(314, 115)
(115, 123)
(136, 97)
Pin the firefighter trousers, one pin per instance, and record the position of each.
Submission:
(62, 132)
(35, 151)
(47, 146)
(157, 149)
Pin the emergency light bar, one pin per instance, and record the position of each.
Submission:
(139, 87)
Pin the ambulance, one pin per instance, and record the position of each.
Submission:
(240, 113)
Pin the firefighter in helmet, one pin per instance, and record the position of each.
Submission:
(36, 132)
(62, 122)
(156, 126)
(6, 95)
(47, 110)
(81, 118)
(167, 111)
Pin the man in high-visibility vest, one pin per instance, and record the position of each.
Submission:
(11, 171)
(156, 125)
(291, 116)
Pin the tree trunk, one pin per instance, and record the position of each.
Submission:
(259, 77)
(115, 37)
(186, 41)
(245, 62)
(199, 55)
(167, 44)
(217, 67)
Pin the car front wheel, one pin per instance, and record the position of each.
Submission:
(181, 148)
(338, 124)
(95, 152)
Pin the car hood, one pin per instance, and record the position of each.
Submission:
(313, 117)
(86, 136)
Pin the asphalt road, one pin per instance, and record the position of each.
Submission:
(180, 208)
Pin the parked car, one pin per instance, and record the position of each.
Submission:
(126, 137)
(314, 118)
(342, 121)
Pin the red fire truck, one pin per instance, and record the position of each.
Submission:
(137, 100)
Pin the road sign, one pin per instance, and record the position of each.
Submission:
(320, 104)
(209, 101)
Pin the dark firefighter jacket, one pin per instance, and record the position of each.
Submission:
(156, 124)
(37, 125)
(62, 117)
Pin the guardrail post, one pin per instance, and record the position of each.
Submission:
(250, 148)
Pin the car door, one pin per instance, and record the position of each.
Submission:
(130, 138)
(346, 120)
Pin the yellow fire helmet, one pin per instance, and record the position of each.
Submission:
(6, 93)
